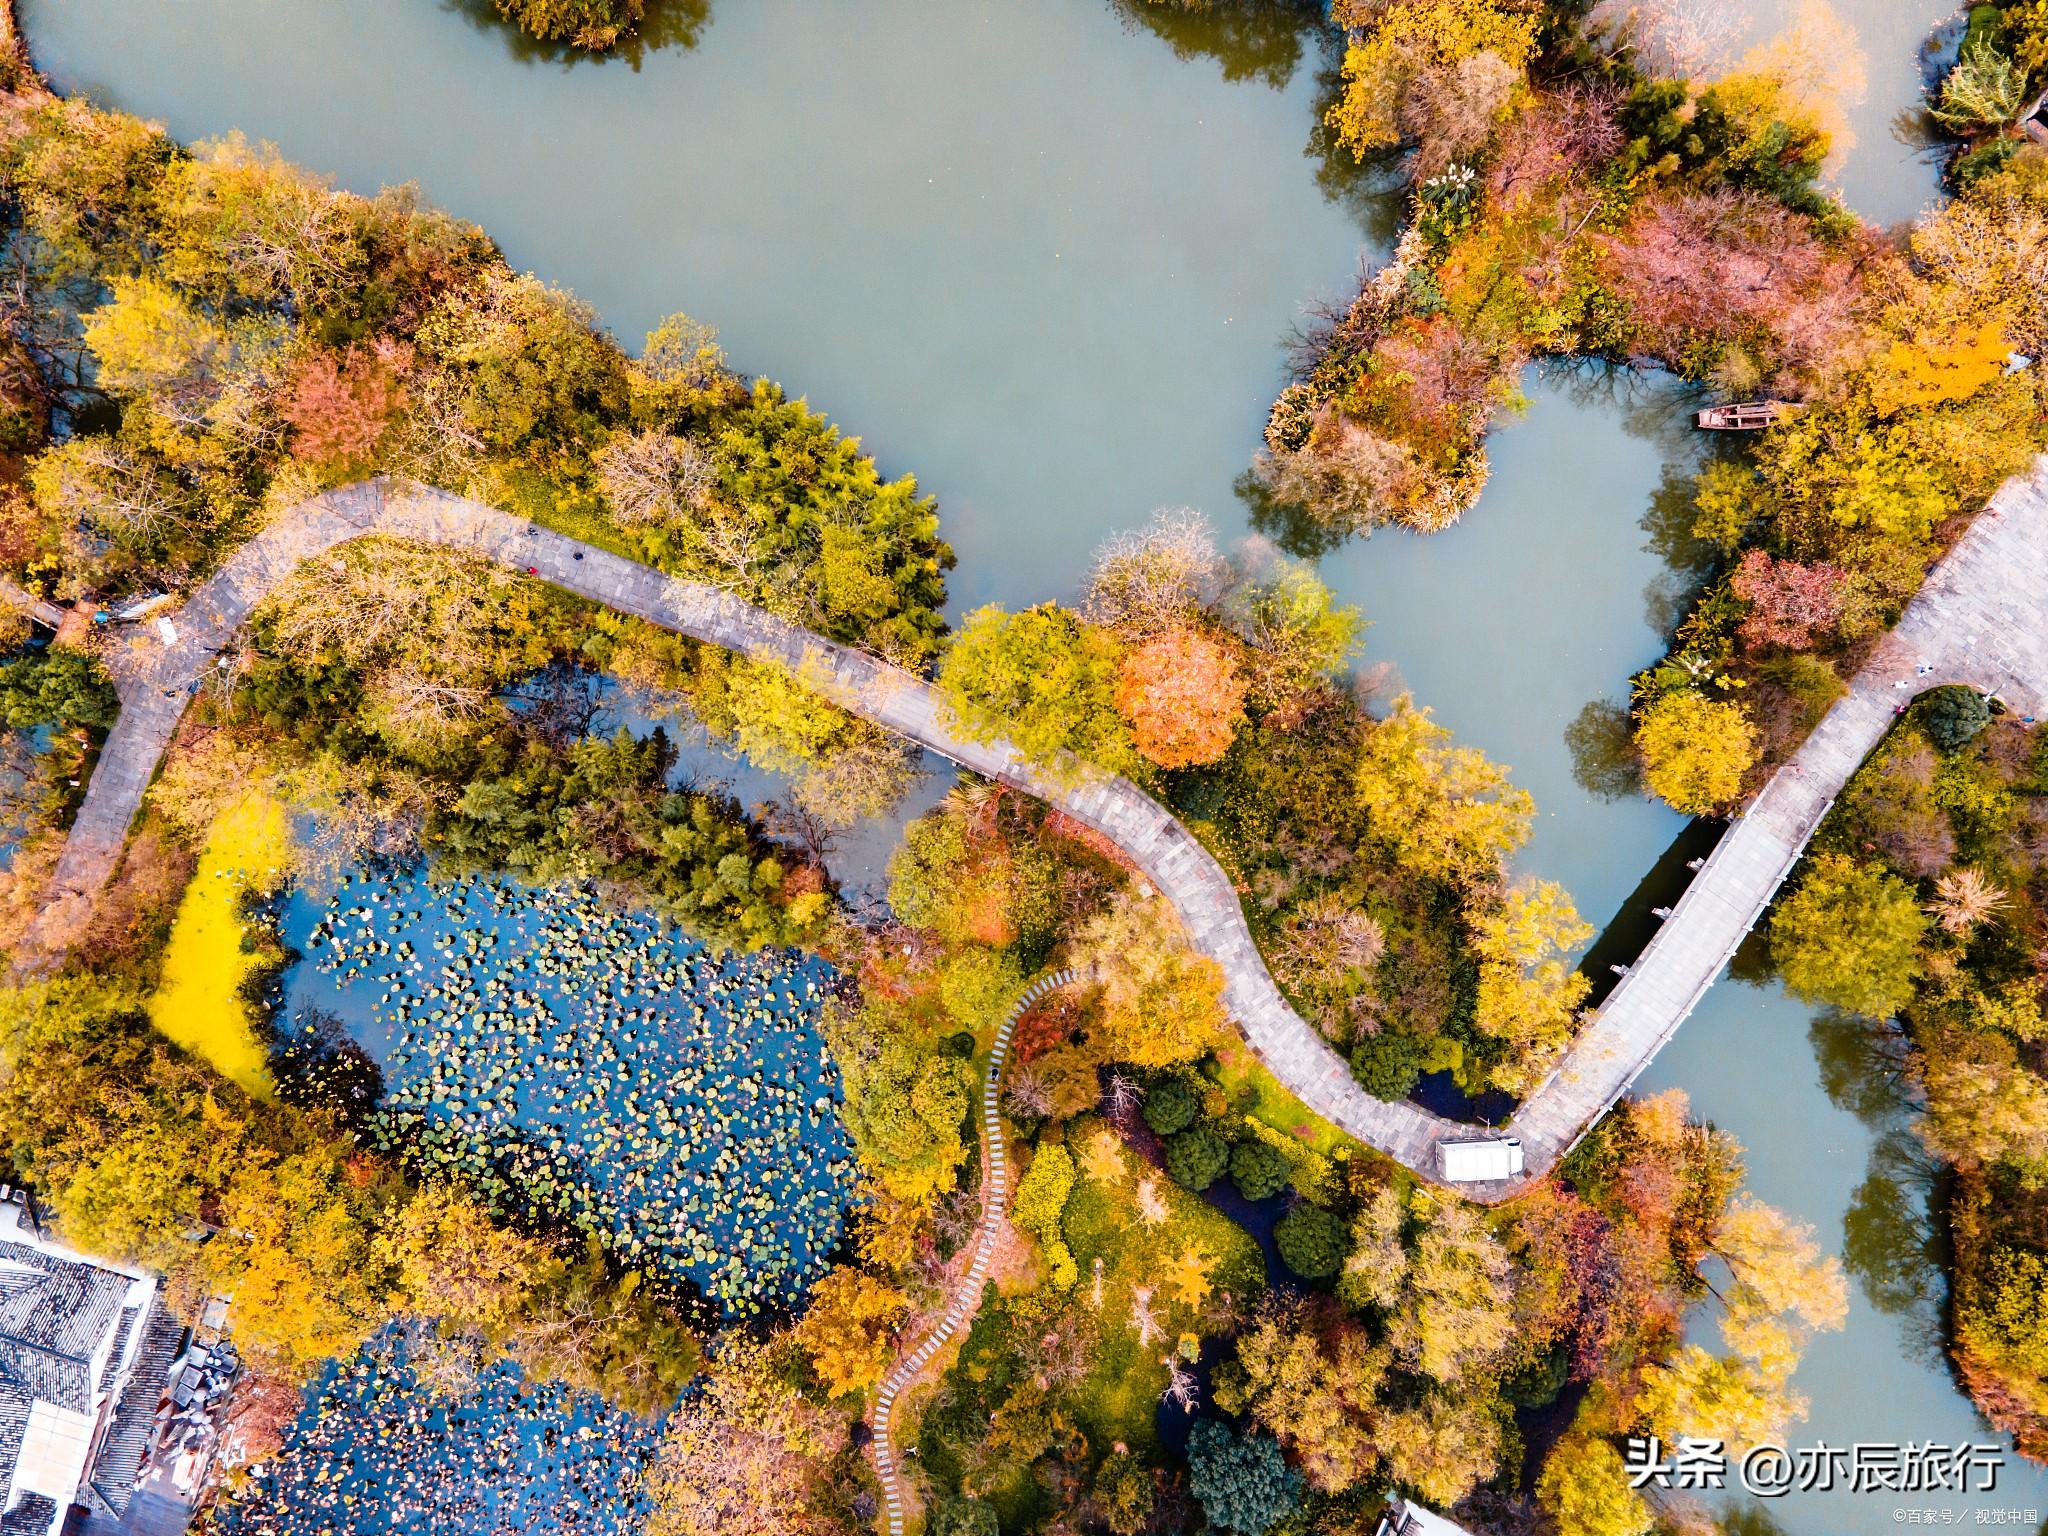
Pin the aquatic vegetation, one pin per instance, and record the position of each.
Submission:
(207, 962)
(597, 1068)
(434, 1442)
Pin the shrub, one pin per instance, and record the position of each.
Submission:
(1257, 1170)
(1953, 715)
(1196, 1157)
(1170, 1105)
(1388, 1064)
(1311, 1241)
(1041, 1199)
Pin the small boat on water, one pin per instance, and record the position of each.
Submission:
(1748, 416)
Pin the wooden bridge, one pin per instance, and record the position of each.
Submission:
(1981, 619)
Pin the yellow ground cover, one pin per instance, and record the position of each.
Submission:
(199, 1002)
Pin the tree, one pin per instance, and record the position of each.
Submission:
(1790, 604)
(1155, 580)
(523, 366)
(1457, 1305)
(1528, 994)
(342, 405)
(1183, 697)
(147, 337)
(1445, 812)
(1849, 937)
(2002, 1311)
(1396, 50)
(1310, 1238)
(1044, 680)
(1314, 1386)
(1241, 1481)
(1732, 1399)
(59, 686)
(1170, 1105)
(905, 1102)
(1388, 1063)
(1695, 750)
(1258, 1171)
(1584, 1487)
(1985, 89)
(595, 25)
(1985, 1104)
(1196, 1157)
(454, 1262)
(1953, 716)
(1963, 898)
(744, 1453)
(655, 479)
(1161, 1002)
(848, 1329)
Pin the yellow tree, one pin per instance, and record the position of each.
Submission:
(1317, 1395)
(454, 1262)
(1161, 1002)
(1528, 993)
(1445, 812)
(1695, 751)
(1584, 1487)
(849, 1328)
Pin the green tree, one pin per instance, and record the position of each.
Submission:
(58, 686)
(1953, 716)
(1849, 937)
(1258, 1171)
(1196, 1157)
(1045, 680)
(1311, 1240)
(1171, 1105)
(1243, 1483)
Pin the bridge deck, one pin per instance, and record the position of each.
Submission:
(1981, 619)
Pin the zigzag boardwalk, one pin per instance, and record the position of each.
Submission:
(1981, 619)
(995, 1210)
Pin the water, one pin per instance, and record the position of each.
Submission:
(598, 1067)
(496, 1453)
(1044, 257)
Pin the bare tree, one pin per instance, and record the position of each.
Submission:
(654, 478)
(1149, 580)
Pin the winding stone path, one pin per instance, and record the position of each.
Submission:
(995, 1211)
(1980, 619)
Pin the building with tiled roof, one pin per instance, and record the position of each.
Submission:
(85, 1348)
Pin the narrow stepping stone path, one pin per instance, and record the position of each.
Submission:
(995, 1211)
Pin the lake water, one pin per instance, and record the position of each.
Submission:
(1045, 258)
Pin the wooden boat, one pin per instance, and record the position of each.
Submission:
(1748, 416)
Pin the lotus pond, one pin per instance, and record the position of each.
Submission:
(595, 1066)
(386, 1442)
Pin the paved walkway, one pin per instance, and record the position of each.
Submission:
(995, 1210)
(1981, 619)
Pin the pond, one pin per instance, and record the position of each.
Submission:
(429, 1447)
(1045, 258)
(595, 1067)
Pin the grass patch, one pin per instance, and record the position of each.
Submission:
(1186, 1253)
(1252, 1090)
(199, 1001)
